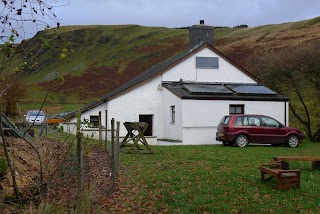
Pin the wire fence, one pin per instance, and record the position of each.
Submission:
(112, 145)
(47, 169)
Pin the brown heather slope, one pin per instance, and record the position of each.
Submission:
(96, 81)
(99, 58)
(102, 58)
(241, 49)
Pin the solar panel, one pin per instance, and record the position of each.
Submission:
(207, 89)
(251, 89)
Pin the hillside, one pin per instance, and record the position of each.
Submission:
(101, 58)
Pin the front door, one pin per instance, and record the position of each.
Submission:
(148, 118)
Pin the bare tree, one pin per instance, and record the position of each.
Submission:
(18, 18)
(22, 18)
(294, 72)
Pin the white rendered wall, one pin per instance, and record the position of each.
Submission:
(187, 71)
(95, 112)
(200, 118)
(143, 100)
(87, 131)
(69, 128)
(172, 131)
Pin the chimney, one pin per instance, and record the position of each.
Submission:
(201, 33)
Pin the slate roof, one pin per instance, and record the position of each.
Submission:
(180, 90)
(158, 69)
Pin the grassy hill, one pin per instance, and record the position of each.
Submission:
(101, 58)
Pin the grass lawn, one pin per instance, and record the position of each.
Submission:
(215, 179)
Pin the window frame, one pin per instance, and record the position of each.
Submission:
(264, 122)
(94, 123)
(256, 119)
(236, 106)
(205, 65)
(173, 113)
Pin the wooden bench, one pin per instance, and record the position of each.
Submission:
(315, 159)
(286, 178)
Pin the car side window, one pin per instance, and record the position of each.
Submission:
(269, 122)
(254, 121)
(245, 121)
(225, 120)
(239, 121)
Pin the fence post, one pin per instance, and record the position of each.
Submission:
(117, 150)
(100, 129)
(106, 134)
(46, 121)
(79, 156)
(113, 174)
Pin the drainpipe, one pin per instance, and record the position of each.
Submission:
(285, 113)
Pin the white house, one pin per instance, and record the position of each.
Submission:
(184, 97)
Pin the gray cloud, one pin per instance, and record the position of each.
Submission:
(178, 13)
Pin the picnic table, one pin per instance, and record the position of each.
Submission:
(140, 127)
(315, 159)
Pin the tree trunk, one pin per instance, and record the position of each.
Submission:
(12, 171)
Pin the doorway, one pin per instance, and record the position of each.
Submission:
(148, 118)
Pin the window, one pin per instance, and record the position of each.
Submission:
(225, 120)
(236, 109)
(207, 62)
(269, 122)
(239, 121)
(243, 121)
(173, 114)
(94, 121)
(35, 113)
(254, 121)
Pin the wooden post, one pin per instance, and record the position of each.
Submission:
(80, 163)
(106, 133)
(46, 121)
(79, 156)
(117, 146)
(113, 174)
(100, 129)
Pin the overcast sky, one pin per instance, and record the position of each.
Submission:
(178, 13)
(171, 13)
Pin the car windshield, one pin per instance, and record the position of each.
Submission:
(63, 114)
(35, 113)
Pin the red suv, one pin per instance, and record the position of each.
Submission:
(240, 130)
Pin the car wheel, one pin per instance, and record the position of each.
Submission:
(293, 141)
(241, 141)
